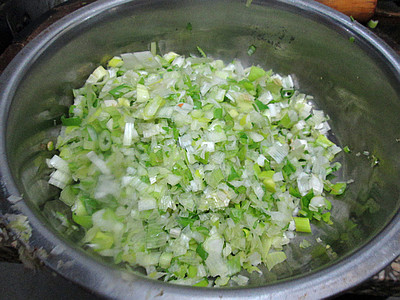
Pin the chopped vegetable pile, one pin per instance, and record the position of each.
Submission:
(193, 169)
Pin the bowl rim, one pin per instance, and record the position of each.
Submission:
(100, 278)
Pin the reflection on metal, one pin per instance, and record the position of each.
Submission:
(325, 65)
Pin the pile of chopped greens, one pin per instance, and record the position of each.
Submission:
(193, 169)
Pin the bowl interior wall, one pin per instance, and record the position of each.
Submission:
(349, 80)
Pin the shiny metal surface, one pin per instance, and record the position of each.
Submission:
(356, 83)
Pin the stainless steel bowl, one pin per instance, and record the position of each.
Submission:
(355, 82)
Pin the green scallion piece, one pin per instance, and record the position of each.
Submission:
(372, 23)
(105, 140)
(73, 121)
(338, 188)
(153, 48)
(202, 53)
(304, 244)
(120, 90)
(218, 112)
(302, 224)
(261, 106)
(50, 146)
(201, 252)
(251, 50)
(285, 93)
(256, 73)
(203, 283)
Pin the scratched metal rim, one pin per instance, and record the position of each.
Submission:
(109, 282)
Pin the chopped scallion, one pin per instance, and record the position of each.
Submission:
(193, 168)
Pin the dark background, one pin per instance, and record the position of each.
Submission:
(21, 21)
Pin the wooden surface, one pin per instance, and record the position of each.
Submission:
(361, 10)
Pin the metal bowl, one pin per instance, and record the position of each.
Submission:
(353, 75)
